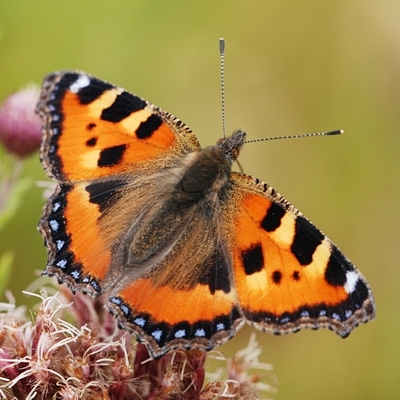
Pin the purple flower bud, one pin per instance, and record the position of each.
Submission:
(20, 126)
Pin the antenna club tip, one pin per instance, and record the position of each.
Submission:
(335, 132)
(221, 45)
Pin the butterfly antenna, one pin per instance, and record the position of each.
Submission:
(221, 53)
(329, 133)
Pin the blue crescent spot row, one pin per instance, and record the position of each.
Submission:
(163, 332)
(316, 312)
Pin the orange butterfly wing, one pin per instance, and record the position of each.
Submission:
(94, 129)
(288, 275)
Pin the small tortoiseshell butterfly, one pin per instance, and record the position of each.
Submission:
(187, 249)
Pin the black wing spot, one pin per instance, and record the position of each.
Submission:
(124, 105)
(296, 275)
(148, 127)
(253, 259)
(277, 277)
(90, 126)
(111, 156)
(91, 142)
(90, 93)
(306, 239)
(104, 193)
(335, 273)
(273, 218)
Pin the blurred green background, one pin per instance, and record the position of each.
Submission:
(291, 67)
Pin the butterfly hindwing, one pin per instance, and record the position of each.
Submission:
(192, 282)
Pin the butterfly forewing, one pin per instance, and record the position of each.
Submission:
(288, 274)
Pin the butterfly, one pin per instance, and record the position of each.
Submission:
(186, 249)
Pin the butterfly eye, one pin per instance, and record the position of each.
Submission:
(234, 154)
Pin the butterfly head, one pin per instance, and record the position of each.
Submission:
(232, 144)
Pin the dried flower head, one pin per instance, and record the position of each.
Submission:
(91, 358)
(20, 126)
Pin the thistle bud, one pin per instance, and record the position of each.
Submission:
(20, 126)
